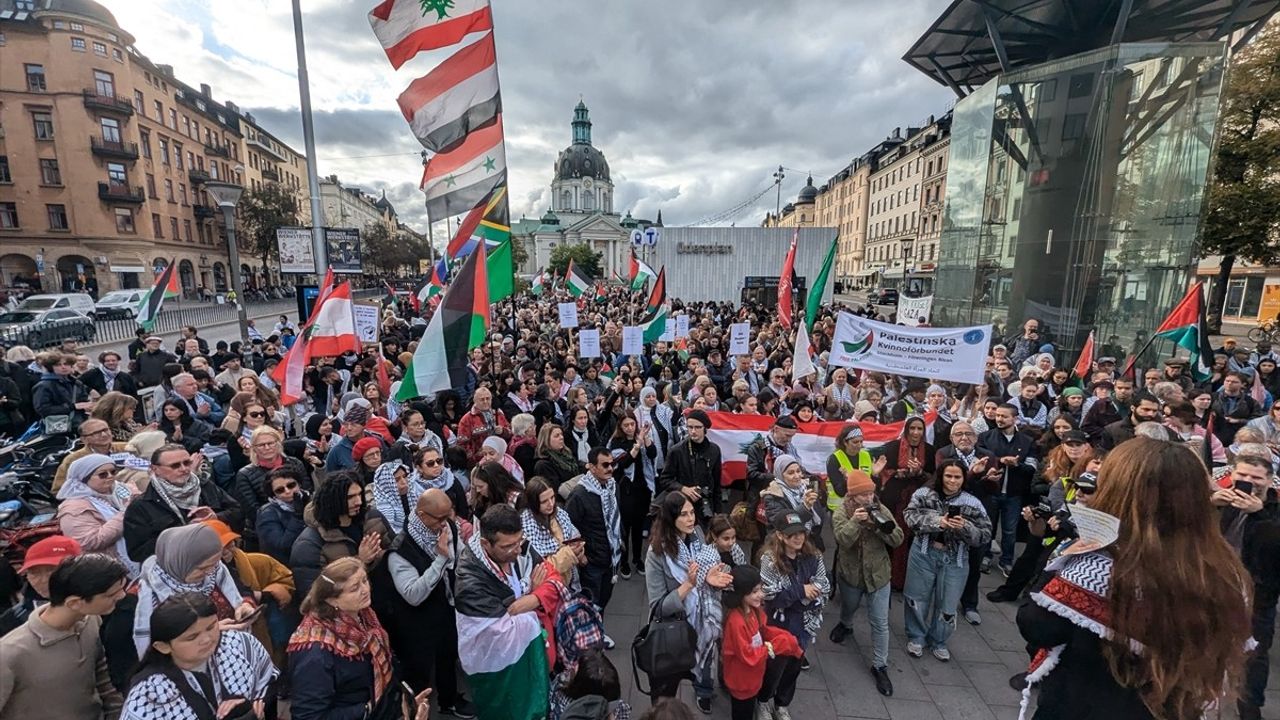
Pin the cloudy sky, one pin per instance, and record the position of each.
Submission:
(695, 104)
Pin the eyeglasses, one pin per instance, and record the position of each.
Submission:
(433, 463)
(257, 414)
(104, 474)
(285, 488)
(606, 464)
(178, 465)
(266, 444)
(103, 431)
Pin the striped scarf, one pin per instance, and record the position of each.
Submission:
(350, 637)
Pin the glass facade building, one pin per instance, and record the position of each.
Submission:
(1075, 191)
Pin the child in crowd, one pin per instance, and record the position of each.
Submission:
(760, 661)
(720, 532)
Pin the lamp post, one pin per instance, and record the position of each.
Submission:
(777, 180)
(906, 263)
(226, 196)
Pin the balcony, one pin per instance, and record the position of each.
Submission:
(198, 177)
(221, 151)
(205, 212)
(264, 146)
(121, 193)
(113, 148)
(109, 103)
(270, 175)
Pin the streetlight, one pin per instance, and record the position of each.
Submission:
(226, 196)
(906, 262)
(777, 180)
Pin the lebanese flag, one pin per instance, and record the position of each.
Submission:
(333, 328)
(785, 283)
(289, 372)
(814, 443)
(460, 94)
(459, 179)
(1085, 362)
(408, 27)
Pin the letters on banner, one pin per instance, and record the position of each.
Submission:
(956, 354)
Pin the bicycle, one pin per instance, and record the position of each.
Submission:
(1268, 331)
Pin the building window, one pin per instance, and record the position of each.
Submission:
(124, 221)
(35, 78)
(110, 130)
(156, 228)
(145, 135)
(182, 193)
(78, 44)
(5, 177)
(113, 37)
(159, 108)
(49, 173)
(186, 230)
(168, 191)
(117, 55)
(138, 102)
(164, 151)
(8, 215)
(58, 217)
(173, 228)
(78, 27)
(2, 40)
(43, 124)
(173, 118)
(104, 83)
(59, 25)
(116, 175)
(151, 185)
(99, 49)
(177, 155)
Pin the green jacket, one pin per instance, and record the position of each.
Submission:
(862, 552)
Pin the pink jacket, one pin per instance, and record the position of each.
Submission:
(81, 521)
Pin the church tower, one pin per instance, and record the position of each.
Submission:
(581, 183)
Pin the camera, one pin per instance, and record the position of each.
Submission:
(1066, 528)
(882, 522)
(1043, 511)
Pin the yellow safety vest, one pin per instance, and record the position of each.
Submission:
(864, 464)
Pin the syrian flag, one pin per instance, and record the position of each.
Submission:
(149, 306)
(640, 273)
(289, 373)
(814, 303)
(465, 175)
(540, 283)
(488, 221)
(459, 324)
(1084, 363)
(786, 283)
(1185, 326)
(458, 96)
(408, 27)
(815, 442)
(575, 280)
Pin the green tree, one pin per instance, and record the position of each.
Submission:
(261, 212)
(584, 258)
(1243, 216)
(378, 249)
(519, 253)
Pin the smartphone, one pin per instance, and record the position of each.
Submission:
(253, 616)
(953, 510)
(1244, 486)
(408, 691)
(574, 541)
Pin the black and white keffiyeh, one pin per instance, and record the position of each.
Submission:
(608, 495)
(540, 536)
(702, 605)
(239, 668)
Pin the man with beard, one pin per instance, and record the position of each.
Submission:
(1146, 409)
(1104, 412)
(1015, 459)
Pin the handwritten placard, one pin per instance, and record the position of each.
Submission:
(588, 343)
(682, 326)
(366, 317)
(632, 340)
(568, 315)
(739, 338)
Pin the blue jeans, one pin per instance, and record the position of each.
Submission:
(877, 616)
(935, 579)
(1008, 512)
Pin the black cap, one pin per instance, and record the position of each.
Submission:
(1075, 436)
(1087, 481)
(701, 416)
(792, 521)
(786, 422)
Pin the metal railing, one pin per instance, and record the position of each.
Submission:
(47, 333)
(113, 148)
(121, 193)
(114, 103)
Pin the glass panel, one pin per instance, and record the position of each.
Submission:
(1252, 297)
(1235, 297)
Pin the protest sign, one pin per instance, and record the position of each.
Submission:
(366, 317)
(682, 326)
(588, 343)
(669, 334)
(957, 354)
(632, 340)
(739, 338)
(914, 311)
(568, 315)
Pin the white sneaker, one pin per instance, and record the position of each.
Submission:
(972, 617)
(781, 713)
(609, 644)
(942, 654)
(764, 711)
(915, 649)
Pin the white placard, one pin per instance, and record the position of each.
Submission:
(632, 340)
(739, 338)
(957, 354)
(366, 316)
(669, 333)
(588, 343)
(914, 311)
(568, 315)
(682, 326)
(1097, 530)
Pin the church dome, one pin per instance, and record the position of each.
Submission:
(808, 193)
(579, 160)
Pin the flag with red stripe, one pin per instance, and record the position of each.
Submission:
(785, 283)
(1084, 363)
(459, 95)
(405, 28)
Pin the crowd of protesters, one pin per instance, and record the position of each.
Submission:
(220, 555)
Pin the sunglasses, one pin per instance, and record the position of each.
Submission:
(103, 431)
(433, 463)
(285, 488)
(104, 474)
(178, 465)
(257, 414)
(606, 464)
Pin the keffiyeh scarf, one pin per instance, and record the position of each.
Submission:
(389, 502)
(239, 668)
(180, 498)
(608, 495)
(351, 637)
(702, 605)
(108, 506)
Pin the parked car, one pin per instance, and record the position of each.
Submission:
(80, 302)
(41, 328)
(884, 296)
(119, 304)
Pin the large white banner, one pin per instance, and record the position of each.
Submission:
(957, 354)
(914, 311)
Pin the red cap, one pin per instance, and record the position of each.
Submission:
(364, 445)
(50, 551)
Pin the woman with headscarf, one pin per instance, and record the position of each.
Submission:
(793, 491)
(188, 559)
(937, 400)
(494, 449)
(909, 464)
(92, 508)
(647, 423)
(396, 487)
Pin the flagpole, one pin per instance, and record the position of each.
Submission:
(318, 248)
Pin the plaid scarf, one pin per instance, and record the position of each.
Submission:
(180, 499)
(608, 495)
(352, 638)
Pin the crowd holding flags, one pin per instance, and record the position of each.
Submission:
(329, 332)
(576, 281)
(166, 286)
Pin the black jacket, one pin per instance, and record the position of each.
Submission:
(1117, 432)
(94, 380)
(973, 482)
(317, 547)
(690, 464)
(26, 380)
(551, 472)
(628, 472)
(1016, 479)
(251, 492)
(148, 368)
(1245, 408)
(58, 395)
(571, 440)
(1260, 552)
(329, 687)
(277, 529)
(1100, 415)
(587, 513)
(149, 515)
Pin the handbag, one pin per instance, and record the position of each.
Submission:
(666, 647)
(56, 424)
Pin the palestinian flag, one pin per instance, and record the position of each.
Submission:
(814, 303)
(640, 273)
(540, 283)
(602, 292)
(459, 324)
(1186, 327)
(658, 295)
(149, 306)
(434, 285)
(503, 655)
(502, 272)
(577, 282)
(654, 325)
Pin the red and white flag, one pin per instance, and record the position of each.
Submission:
(1085, 362)
(289, 373)
(459, 95)
(784, 283)
(408, 27)
(815, 442)
(333, 325)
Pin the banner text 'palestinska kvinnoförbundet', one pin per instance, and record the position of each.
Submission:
(956, 354)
